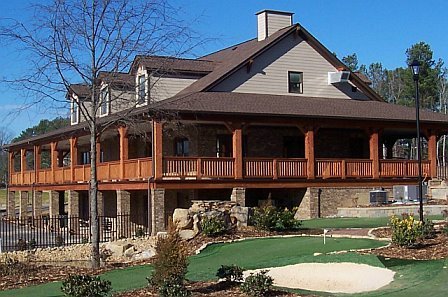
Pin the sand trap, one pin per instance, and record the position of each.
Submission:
(330, 277)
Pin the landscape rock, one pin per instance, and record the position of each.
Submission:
(187, 234)
(144, 255)
(196, 223)
(118, 247)
(129, 252)
(240, 214)
(182, 219)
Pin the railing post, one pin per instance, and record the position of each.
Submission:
(199, 168)
(274, 169)
(73, 156)
(309, 152)
(405, 168)
(343, 169)
(157, 158)
(237, 142)
(22, 165)
(54, 157)
(37, 161)
(374, 153)
(432, 154)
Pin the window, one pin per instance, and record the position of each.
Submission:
(295, 82)
(141, 91)
(104, 102)
(74, 112)
(85, 158)
(182, 147)
(224, 145)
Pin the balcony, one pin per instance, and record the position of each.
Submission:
(177, 168)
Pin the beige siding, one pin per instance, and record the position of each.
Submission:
(269, 73)
(121, 100)
(277, 22)
(165, 87)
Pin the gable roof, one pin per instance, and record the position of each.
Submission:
(234, 57)
(172, 64)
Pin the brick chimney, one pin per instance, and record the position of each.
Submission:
(270, 21)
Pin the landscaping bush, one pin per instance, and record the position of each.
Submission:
(231, 273)
(428, 230)
(84, 285)
(170, 266)
(405, 231)
(258, 284)
(272, 219)
(213, 226)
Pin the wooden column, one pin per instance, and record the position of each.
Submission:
(124, 148)
(54, 158)
(37, 161)
(374, 153)
(73, 156)
(432, 153)
(309, 152)
(237, 141)
(22, 164)
(10, 165)
(157, 158)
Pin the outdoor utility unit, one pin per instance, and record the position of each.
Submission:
(378, 197)
(406, 193)
(338, 77)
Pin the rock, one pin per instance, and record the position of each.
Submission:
(117, 248)
(240, 214)
(196, 223)
(129, 252)
(187, 234)
(144, 255)
(182, 219)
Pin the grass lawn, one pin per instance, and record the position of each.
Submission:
(3, 198)
(352, 222)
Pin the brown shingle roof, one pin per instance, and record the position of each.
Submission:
(296, 106)
(81, 90)
(170, 64)
(117, 78)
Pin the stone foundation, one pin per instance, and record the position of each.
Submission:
(37, 204)
(239, 196)
(157, 211)
(11, 204)
(375, 212)
(23, 203)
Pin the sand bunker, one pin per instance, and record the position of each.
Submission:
(330, 277)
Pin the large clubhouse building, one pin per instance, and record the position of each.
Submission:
(277, 116)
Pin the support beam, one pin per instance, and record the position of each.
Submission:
(73, 210)
(157, 211)
(23, 204)
(22, 164)
(11, 204)
(237, 142)
(54, 158)
(37, 204)
(124, 149)
(73, 156)
(432, 154)
(374, 152)
(37, 162)
(310, 133)
(157, 158)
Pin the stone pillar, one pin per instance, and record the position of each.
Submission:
(308, 206)
(37, 204)
(157, 211)
(53, 204)
(124, 214)
(100, 203)
(73, 211)
(23, 203)
(11, 204)
(239, 196)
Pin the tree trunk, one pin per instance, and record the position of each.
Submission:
(93, 193)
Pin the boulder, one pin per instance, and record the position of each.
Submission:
(117, 248)
(196, 223)
(144, 255)
(187, 234)
(129, 252)
(182, 219)
(239, 215)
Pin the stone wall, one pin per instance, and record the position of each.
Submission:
(438, 189)
(388, 211)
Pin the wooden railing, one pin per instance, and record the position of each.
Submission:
(402, 168)
(348, 168)
(138, 168)
(198, 167)
(275, 168)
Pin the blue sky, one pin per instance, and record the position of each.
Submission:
(377, 30)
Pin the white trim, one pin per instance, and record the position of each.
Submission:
(73, 104)
(104, 89)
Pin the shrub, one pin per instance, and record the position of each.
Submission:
(83, 285)
(231, 273)
(405, 231)
(213, 226)
(32, 244)
(428, 230)
(258, 284)
(272, 219)
(170, 265)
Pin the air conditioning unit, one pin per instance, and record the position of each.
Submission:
(408, 193)
(338, 77)
(378, 197)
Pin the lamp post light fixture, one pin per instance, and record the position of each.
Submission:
(415, 67)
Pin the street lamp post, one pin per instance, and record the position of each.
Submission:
(415, 67)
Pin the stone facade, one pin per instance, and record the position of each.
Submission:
(11, 204)
(239, 196)
(53, 203)
(123, 208)
(157, 210)
(100, 203)
(23, 203)
(37, 204)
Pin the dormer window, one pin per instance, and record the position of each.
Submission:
(74, 112)
(141, 90)
(104, 102)
(295, 82)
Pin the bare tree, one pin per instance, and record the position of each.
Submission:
(77, 40)
(5, 138)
